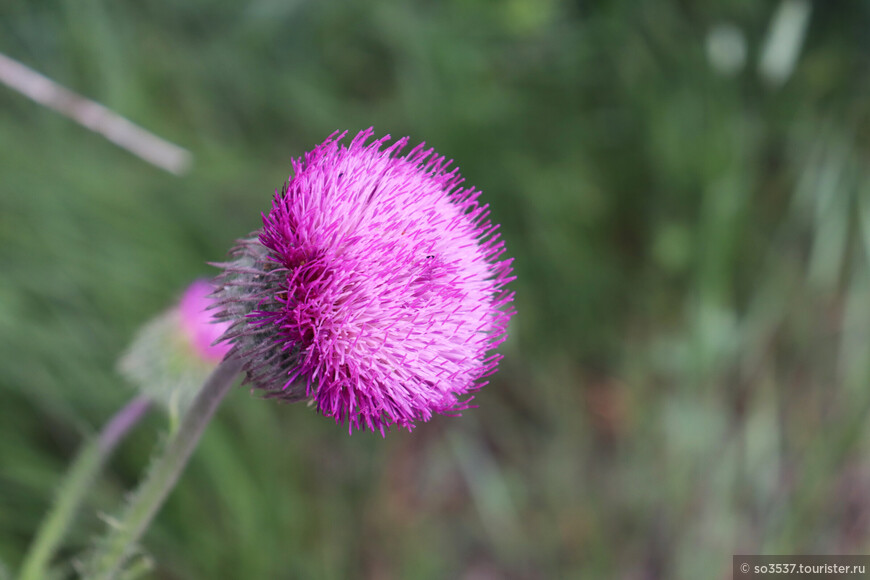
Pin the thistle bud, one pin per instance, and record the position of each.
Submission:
(171, 356)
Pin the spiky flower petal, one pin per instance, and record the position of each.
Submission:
(376, 286)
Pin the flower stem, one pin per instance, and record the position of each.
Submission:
(114, 550)
(75, 486)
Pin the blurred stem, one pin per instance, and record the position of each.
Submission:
(138, 568)
(827, 456)
(112, 552)
(73, 488)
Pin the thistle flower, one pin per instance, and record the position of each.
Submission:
(375, 287)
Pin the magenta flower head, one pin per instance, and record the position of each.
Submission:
(376, 286)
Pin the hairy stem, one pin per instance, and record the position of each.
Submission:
(113, 551)
(75, 486)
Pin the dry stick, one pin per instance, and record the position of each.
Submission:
(94, 116)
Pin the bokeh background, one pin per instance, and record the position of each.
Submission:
(684, 186)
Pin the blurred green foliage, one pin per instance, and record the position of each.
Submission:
(688, 372)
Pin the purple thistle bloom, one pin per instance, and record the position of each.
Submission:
(376, 286)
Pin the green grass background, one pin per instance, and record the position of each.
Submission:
(687, 376)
